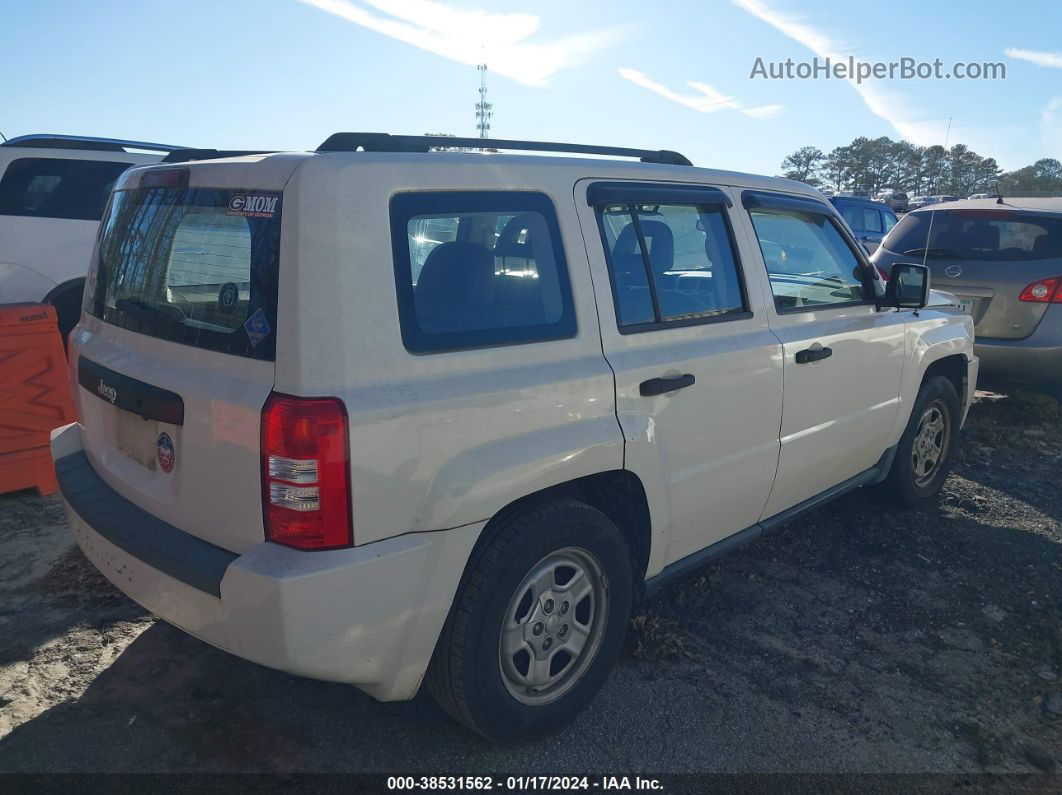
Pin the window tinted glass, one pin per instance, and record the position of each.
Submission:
(690, 260)
(890, 220)
(808, 261)
(859, 218)
(479, 269)
(179, 264)
(54, 188)
(998, 235)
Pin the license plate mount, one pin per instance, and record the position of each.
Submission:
(137, 438)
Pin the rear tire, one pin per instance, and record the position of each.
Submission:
(926, 450)
(537, 623)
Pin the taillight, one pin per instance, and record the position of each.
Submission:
(306, 472)
(1043, 291)
(164, 178)
(884, 274)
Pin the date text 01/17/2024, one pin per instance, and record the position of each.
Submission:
(522, 783)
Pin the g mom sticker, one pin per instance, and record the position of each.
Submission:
(253, 205)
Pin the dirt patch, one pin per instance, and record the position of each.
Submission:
(860, 639)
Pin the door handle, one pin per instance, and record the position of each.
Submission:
(813, 355)
(661, 386)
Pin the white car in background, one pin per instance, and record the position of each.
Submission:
(53, 189)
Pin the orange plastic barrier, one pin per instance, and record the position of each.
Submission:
(35, 396)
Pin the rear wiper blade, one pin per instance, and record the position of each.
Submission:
(141, 307)
(934, 251)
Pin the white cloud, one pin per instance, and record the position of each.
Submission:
(707, 100)
(1032, 56)
(499, 40)
(892, 106)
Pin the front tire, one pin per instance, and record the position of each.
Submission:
(537, 623)
(926, 451)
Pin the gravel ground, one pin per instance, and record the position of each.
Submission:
(858, 639)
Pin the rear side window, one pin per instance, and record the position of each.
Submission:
(195, 266)
(808, 261)
(670, 264)
(997, 235)
(479, 269)
(861, 219)
(41, 187)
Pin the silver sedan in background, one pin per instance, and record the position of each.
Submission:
(1002, 259)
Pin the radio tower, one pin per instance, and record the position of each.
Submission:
(484, 110)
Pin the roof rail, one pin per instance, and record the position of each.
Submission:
(51, 141)
(384, 142)
(185, 155)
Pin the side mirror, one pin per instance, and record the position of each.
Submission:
(908, 286)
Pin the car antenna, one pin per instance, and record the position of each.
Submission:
(933, 207)
(4, 137)
(999, 196)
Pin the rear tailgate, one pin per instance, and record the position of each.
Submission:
(148, 406)
(174, 357)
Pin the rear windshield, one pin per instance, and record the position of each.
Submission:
(195, 266)
(999, 235)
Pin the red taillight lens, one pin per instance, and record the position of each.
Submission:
(306, 472)
(884, 274)
(1043, 291)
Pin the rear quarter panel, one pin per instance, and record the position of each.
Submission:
(437, 440)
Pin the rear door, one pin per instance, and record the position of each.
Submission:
(843, 358)
(986, 258)
(175, 357)
(698, 372)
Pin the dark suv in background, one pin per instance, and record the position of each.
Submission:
(869, 220)
(1003, 261)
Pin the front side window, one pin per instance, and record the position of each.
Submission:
(44, 187)
(808, 260)
(670, 263)
(479, 269)
(194, 266)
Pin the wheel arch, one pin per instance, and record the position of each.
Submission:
(954, 367)
(618, 493)
(64, 287)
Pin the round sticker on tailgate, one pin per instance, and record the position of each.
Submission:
(166, 452)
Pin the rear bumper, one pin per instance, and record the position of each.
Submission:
(1037, 359)
(368, 616)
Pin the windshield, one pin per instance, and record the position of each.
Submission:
(195, 266)
(999, 235)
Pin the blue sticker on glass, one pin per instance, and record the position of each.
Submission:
(257, 327)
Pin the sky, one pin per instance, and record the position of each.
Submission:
(670, 74)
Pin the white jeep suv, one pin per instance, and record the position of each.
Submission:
(52, 192)
(374, 414)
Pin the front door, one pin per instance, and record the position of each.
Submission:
(843, 358)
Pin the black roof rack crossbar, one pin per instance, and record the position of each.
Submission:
(52, 141)
(186, 155)
(385, 142)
